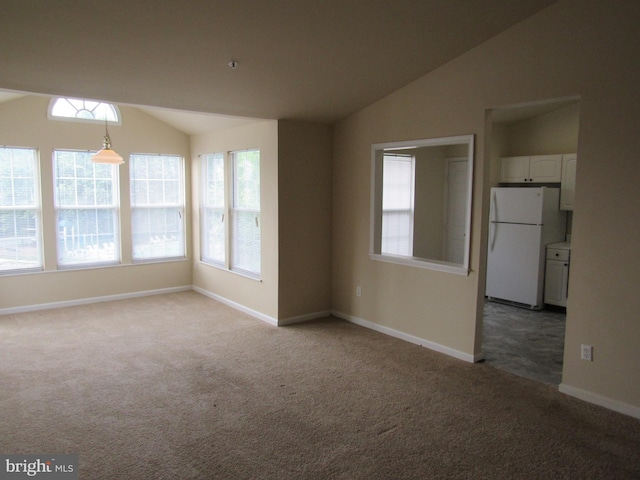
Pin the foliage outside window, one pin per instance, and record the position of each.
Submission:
(87, 210)
(20, 210)
(157, 206)
(231, 189)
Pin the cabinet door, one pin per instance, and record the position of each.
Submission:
(568, 186)
(545, 169)
(514, 169)
(555, 283)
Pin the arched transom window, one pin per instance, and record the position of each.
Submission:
(76, 109)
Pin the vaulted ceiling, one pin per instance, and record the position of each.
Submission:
(317, 60)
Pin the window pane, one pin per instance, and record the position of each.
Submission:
(213, 235)
(397, 233)
(214, 185)
(86, 209)
(157, 232)
(87, 236)
(157, 206)
(20, 236)
(246, 242)
(397, 181)
(247, 180)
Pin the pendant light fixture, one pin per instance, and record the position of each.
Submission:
(106, 155)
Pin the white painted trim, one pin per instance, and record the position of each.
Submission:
(86, 301)
(606, 402)
(303, 318)
(409, 338)
(237, 306)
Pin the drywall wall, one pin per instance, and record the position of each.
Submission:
(24, 123)
(428, 225)
(258, 296)
(304, 219)
(551, 133)
(575, 48)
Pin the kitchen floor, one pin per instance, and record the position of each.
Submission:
(524, 342)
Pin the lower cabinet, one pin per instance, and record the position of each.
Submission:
(556, 279)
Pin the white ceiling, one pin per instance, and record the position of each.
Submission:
(317, 60)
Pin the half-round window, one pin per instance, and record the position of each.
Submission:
(90, 111)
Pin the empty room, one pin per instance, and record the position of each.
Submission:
(257, 239)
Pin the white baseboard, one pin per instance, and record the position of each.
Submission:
(303, 318)
(237, 306)
(409, 338)
(86, 301)
(600, 400)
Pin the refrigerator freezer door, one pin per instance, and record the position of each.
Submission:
(515, 264)
(517, 205)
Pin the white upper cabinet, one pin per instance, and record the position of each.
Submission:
(531, 169)
(568, 186)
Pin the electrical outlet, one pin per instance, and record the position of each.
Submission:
(587, 353)
(358, 291)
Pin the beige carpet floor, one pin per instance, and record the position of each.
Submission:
(181, 387)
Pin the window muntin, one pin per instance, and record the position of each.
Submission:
(157, 206)
(87, 210)
(231, 189)
(20, 210)
(397, 204)
(77, 109)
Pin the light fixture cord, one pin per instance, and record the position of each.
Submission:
(107, 138)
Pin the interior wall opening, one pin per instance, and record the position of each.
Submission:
(533, 155)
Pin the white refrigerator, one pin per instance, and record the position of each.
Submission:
(523, 220)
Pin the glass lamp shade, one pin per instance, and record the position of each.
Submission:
(106, 155)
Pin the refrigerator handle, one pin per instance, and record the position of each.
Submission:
(492, 221)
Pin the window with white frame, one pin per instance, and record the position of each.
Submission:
(245, 212)
(81, 110)
(20, 210)
(157, 206)
(397, 204)
(87, 210)
(213, 244)
(231, 190)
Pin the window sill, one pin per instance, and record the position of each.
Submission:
(446, 267)
(225, 269)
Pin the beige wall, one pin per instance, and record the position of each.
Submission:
(429, 202)
(551, 133)
(24, 123)
(304, 214)
(258, 296)
(580, 48)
